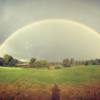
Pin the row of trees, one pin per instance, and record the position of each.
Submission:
(36, 64)
(71, 62)
(8, 60)
(68, 62)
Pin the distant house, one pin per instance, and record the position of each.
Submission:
(23, 64)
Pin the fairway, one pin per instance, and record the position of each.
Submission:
(72, 75)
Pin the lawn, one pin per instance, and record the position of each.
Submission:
(72, 75)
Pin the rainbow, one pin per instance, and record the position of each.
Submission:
(35, 24)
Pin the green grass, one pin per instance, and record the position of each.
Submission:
(73, 75)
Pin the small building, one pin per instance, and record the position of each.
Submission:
(22, 64)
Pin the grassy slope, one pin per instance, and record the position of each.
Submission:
(73, 75)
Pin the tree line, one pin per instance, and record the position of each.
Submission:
(8, 60)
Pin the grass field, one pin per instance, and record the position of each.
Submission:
(75, 83)
(73, 75)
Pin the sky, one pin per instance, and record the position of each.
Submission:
(15, 14)
(53, 40)
(66, 28)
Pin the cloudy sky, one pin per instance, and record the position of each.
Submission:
(15, 14)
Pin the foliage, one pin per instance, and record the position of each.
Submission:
(41, 64)
(1, 61)
(58, 66)
(9, 60)
(66, 62)
(32, 61)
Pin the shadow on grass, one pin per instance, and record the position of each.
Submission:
(65, 92)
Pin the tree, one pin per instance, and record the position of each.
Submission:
(32, 61)
(72, 61)
(66, 63)
(1, 61)
(41, 64)
(13, 62)
(9, 60)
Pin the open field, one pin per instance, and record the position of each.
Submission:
(75, 83)
(73, 75)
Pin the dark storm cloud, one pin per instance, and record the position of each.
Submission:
(14, 14)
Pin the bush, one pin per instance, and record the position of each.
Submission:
(41, 64)
(58, 66)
